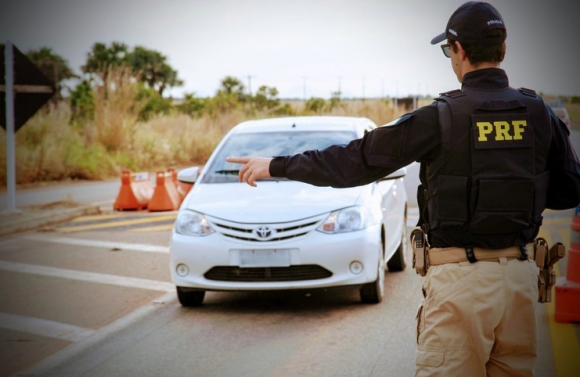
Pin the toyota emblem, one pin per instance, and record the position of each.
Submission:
(263, 232)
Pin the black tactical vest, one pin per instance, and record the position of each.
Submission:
(488, 186)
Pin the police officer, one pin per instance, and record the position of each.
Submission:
(492, 159)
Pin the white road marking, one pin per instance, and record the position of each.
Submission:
(9, 244)
(92, 277)
(102, 244)
(76, 348)
(81, 338)
(44, 327)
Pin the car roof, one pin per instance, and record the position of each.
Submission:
(305, 123)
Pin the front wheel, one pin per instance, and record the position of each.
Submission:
(189, 297)
(372, 293)
(397, 261)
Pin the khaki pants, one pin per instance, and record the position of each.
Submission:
(478, 319)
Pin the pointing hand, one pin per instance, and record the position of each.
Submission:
(254, 168)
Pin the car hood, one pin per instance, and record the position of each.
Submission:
(271, 201)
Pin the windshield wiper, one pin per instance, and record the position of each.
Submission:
(228, 172)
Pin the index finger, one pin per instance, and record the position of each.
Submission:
(238, 160)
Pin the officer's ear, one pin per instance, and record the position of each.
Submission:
(459, 49)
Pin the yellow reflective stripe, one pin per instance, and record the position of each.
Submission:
(116, 224)
(153, 228)
(94, 217)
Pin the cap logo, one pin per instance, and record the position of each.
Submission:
(453, 32)
(491, 22)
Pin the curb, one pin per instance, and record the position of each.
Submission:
(30, 219)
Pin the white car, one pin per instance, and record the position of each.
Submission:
(282, 234)
(562, 113)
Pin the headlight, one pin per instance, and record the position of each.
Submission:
(192, 224)
(345, 220)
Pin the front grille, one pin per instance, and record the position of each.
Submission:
(267, 274)
(279, 231)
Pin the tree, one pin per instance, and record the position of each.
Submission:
(335, 100)
(153, 102)
(53, 66)
(82, 103)
(265, 98)
(147, 66)
(315, 105)
(152, 69)
(228, 97)
(232, 85)
(102, 58)
(191, 105)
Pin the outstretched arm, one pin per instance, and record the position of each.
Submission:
(254, 168)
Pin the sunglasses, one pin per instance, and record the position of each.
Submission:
(446, 48)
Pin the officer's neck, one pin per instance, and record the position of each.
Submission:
(465, 67)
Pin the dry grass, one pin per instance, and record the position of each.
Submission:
(178, 139)
(378, 110)
(49, 148)
(116, 112)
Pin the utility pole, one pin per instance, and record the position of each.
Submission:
(10, 144)
(250, 84)
(304, 88)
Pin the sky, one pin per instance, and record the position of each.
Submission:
(303, 48)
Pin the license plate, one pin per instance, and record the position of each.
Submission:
(265, 258)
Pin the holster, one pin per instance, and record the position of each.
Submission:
(420, 251)
(545, 259)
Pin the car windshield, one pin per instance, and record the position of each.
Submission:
(269, 144)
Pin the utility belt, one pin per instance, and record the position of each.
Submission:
(545, 258)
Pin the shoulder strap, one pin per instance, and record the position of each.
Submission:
(445, 122)
(528, 92)
(453, 93)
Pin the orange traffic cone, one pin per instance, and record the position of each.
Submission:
(135, 192)
(568, 288)
(165, 196)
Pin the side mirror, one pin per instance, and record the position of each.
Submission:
(188, 175)
(399, 173)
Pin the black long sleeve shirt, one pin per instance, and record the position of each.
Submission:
(413, 137)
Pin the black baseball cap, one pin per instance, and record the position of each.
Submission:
(470, 23)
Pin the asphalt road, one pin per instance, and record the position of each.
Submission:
(100, 193)
(100, 303)
(321, 333)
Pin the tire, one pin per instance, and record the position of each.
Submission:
(190, 298)
(397, 261)
(372, 293)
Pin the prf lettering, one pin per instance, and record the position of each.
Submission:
(501, 130)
